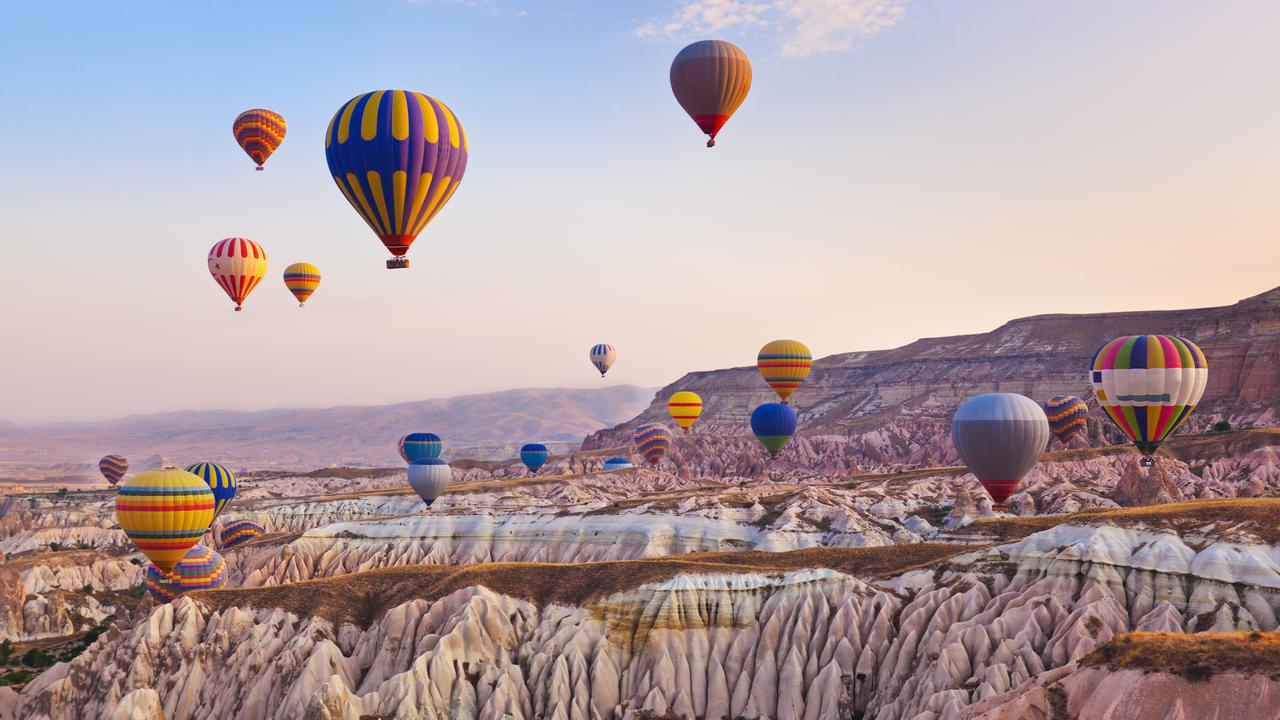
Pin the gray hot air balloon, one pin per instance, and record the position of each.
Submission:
(1000, 436)
(429, 477)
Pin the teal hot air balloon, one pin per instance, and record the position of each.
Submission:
(221, 481)
(420, 446)
(773, 425)
(534, 456)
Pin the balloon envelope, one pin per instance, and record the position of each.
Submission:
(429, 477)
(1067, 415)
(199, 569)
(113, 467)
(784, 364)
(259, 132)
(684, 408)
(1000, 436)
(302, 279)
(773, 425)
(1149, 384)
(237, 265)
(710, 79)
(534, 456)
(239, 532)
(397, 156)
(616, 464)
(652, 440)
(420, 446)
(221, 481)
(164, 513)
(603, 356)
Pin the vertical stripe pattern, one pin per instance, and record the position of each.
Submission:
(164, 512)
(711, 79)
(237, 264)
(602, 357)
(1148, 385)
(221, 481)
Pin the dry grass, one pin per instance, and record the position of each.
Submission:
(1196, 656)
(1259, 517)
(362, 598)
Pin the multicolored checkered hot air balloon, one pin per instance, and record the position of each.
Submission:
(420, 446)
(1149, 384)
(397, 156)
(1067, 415)
(602, 356)
(221, 481)
(302, 279)
(710, 79)
(784, 364)
(652, 440)
(237, 265)
(113, 467)
(164, 512)
(199, 569)
(259, 132)
(534, 456)
(238, 532)
(773, 425)
(684, 408)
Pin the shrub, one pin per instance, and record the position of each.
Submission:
(88, 589)
(1222, 426)
(37, 657)
(6, 651)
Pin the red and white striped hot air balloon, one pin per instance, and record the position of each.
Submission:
(237, 265)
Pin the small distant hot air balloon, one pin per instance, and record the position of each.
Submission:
(429, 477)
(652, 440)
(397, 156)
(302, 279)
(1067, 415)
(534, 456)
(603, 356)
(1000, 437)
(784, 364)
(238, 532)
(259, 132)
(710, 79)
(420, 446)
(616, 463)
(773, 425)
(164, 512)
(113, 467)
(199, 569)
(685, 407)
(1149, 384)
(221, 481)
(238, 265)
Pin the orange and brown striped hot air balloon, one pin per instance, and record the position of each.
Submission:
(710, 79)
(259, 132)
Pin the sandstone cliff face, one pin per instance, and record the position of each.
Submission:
(55, 595)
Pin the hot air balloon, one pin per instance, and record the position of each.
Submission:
(603, 356)
(685, 407)
(397, 156)
(1067, 416)
(420, 446)
(113, 467)
(773, 425)
(199, 569)
(1149, 384)
(534, 456)
(429, 477)
(710, 79)
(616, 463)
(238, 532)
(302, 279)
(221, 481)
(259, 132)
(652, 440)
(1000, 436)
(784, 364)
(164, 512)
(238, 265)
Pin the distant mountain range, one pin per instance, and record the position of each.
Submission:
(477, 426)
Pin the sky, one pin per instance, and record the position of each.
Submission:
(899, 170)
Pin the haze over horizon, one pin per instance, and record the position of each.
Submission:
(965, 166)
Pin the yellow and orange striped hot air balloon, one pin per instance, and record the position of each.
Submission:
(685, 407)
(164, 512)
(302, 279)
(784, 364)
(259, 132)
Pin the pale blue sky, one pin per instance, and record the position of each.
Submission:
(899, 170)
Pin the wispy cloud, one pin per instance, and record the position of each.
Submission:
(804, 27)
(491, 8)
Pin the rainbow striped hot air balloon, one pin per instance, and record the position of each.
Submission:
(420, 446)
(237, 265)
(784, 364)
(710, 79)
(773, 425)
(652, 440)
(221, 481)
(302, 279)
(397, 156)
(238, 532)
(113, 467)
(164, 513)
(1149, 384)
(199, 569)
(1067, 415)
(684, 408)
(259, 132)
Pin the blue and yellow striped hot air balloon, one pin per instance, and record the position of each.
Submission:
(397, 156)
(652, 440)
(199, 569)
(221, 481)
(239, 532)
(534, 456)
(164, 512)
(113, 467)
